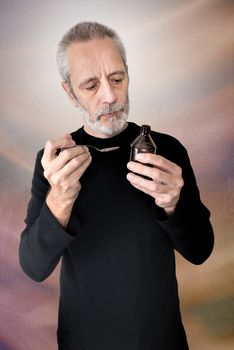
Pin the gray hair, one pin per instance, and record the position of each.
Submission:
(81, 32)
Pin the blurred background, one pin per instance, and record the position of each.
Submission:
(180, 57)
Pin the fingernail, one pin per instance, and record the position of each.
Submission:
(130, 176)
(139, 156)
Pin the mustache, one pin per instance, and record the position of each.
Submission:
(115, 107)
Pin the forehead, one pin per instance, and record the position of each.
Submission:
(94, 57)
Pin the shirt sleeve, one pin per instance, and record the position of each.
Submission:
(189, 227)
(43, 240)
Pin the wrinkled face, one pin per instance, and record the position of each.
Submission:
(98, 86)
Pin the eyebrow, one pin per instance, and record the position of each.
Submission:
(88, 80)
(118, 72)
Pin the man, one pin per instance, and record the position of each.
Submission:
(115, 230)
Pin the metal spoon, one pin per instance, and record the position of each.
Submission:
(108, 149)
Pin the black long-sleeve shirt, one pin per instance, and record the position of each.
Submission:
(118, 288)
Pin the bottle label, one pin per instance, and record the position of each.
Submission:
(134, 151)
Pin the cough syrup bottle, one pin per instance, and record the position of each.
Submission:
(143, 143)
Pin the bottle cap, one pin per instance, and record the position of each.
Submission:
(145, 129)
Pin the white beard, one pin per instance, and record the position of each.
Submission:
(112, 125)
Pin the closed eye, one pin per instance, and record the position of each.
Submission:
(91, 87)
(117, 81)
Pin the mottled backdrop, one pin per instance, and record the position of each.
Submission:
(180, 56)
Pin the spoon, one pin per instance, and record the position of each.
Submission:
(108, 149)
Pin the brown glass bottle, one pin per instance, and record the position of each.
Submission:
(143, 143)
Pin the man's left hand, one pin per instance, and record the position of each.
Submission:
(166, 183)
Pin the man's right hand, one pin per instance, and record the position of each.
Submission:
(63, 171)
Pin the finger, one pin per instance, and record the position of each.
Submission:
(157, 161)
(67, 135)
(147, 186)
(64, 158)
(72, 181)
(84, 147)
(77, 165)
(68, 153)
(155, 174)
(81, 170)
(52, 146)
(74, 168)
(162, 195)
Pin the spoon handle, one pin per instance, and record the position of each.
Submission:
(108, 149)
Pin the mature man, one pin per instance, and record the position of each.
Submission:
(115, 229)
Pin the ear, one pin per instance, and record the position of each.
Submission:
(66, 87)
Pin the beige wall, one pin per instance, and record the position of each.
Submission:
(180, 56)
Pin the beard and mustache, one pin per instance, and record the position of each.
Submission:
(107, 125)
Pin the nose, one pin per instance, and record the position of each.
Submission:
(108, 94)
